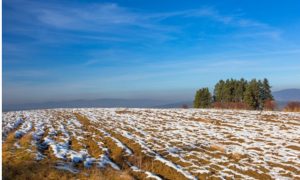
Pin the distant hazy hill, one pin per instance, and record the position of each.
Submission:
(284, 96)
(176, 105)
(104, 103)
(287, 95)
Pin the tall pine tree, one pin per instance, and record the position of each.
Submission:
(267, 90)
(252, 94)
(203, 98)
(219, 91)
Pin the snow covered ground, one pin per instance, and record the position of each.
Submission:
(190, 143)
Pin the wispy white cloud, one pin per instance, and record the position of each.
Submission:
(273, 34)
(213, 14)
(103, 22)
(111, 22)
(94, 17)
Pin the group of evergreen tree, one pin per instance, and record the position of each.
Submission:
(251, 94)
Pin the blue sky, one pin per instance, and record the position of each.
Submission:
(63, 50)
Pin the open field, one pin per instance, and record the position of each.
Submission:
(150, 144)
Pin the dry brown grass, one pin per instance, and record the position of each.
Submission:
(251, 173)
(26, 140)
(91, 144)
(220, 148)
(86, 143)
(123, 112)
(25, 167)
(139, 159)
(98, 174)
(292, 107)
(178, 161)
(270, 118)
(200, 120)
(289, 167)
(237, 156)
(230, 105)
(117, 153)
(75, 145)
(297, 148)
(20, 164)
(146, 162)
(83, 120)
(92, 147)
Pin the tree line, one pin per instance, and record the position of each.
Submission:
(237, 94)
